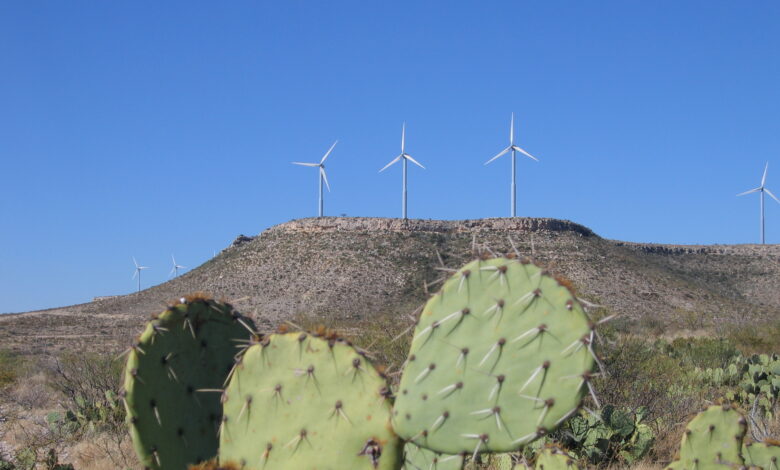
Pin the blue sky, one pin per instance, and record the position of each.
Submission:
(150, 128)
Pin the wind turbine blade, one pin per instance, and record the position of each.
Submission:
(748, 192)
(305, 164)
(763, 178)
(135, 262)
(174, 259)
(395, 160)
(773, 196)
(328, 152)
(409, 157)
(135, 273)
(512, 130)
(173, 270)
(403, 136)
(524, 153)
(324, 178)
(500, 154)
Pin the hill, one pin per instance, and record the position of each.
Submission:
(343, 270)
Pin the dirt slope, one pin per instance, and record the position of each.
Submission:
(351, 268)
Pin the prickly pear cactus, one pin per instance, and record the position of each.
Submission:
(420, 458)
(500, 356)
(712, 440)
(552, 458)
(757, 454)
(296, 401)
(188, 347)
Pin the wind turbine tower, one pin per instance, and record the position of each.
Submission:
(762, 189)
(176, 267)
(513, 148)
(403, 157)
(322, 176)
(137, 273)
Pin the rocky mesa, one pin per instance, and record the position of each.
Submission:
(344, 269)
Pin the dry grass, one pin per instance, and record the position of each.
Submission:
(103, 452)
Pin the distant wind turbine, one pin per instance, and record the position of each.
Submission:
(175, 269)
(323, 177)
(513, 148)
(762, 189)
(138, 269)
(402, 157)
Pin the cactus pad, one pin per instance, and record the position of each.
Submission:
(712, 440)
(552, 458)
(296, 401)
(766, 456)
(420, 458)
(501, 355)
(188, 347)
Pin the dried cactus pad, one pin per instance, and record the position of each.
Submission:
(712, 440)
(766, 456)
(296, 401)
(420, 458)
(186, 348)
(500, 356)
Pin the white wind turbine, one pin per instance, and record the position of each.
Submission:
(323, 177)
(138, 269)
(762, 189)
(176, 267)
(403, 157)
(513, 148)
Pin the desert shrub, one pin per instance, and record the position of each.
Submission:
(9, 369)
(754, 338)
(32, 392)
(637, 374)
(701, 352)
(641, 374)
(90, 385)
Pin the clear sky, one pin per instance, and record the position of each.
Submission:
(150, 128)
